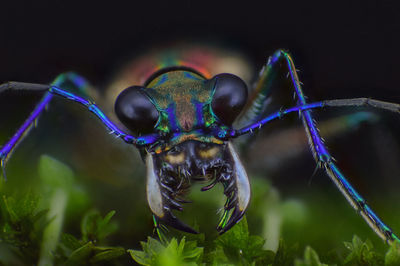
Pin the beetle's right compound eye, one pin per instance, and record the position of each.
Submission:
(230, 96)
(135, 110)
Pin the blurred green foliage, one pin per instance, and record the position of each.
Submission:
(61, 221)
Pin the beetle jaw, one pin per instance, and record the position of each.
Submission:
(167, 185)
(156, 199)
(241, 191)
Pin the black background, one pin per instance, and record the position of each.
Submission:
(343, 49)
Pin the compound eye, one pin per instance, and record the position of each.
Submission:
(230, 96)
(135, 110)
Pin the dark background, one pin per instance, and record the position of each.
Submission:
(343, 49)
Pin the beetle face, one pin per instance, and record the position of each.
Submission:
(184, 111)
(170, 174)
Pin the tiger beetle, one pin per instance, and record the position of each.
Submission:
(181, 118)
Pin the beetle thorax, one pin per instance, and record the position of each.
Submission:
(181, 95)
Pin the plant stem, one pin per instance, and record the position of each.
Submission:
(51, 235)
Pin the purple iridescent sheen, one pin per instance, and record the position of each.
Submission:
(5, 151)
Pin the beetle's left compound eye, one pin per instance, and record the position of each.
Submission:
(230, 96)
(135, 110)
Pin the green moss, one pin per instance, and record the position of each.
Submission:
(60, 222)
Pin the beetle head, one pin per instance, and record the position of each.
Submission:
(185, 111)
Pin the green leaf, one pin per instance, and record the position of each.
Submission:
(362, 253)
(240, 247)
(27, 205)
(310, 258)
(140, 257)
(40, 214)
(284, 255)
(9, 209)
(190, 250)
(96, 228)
(81, 255)
(70, 241)
(21, 226)
(216, 257)
(21, 209)
(105, 227)
(172, 253)
(108, 255)
(392, 257)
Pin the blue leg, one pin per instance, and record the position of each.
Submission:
(325, 160)
(68, 79)
(320, 152)
(9, 147)
(355, 102)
